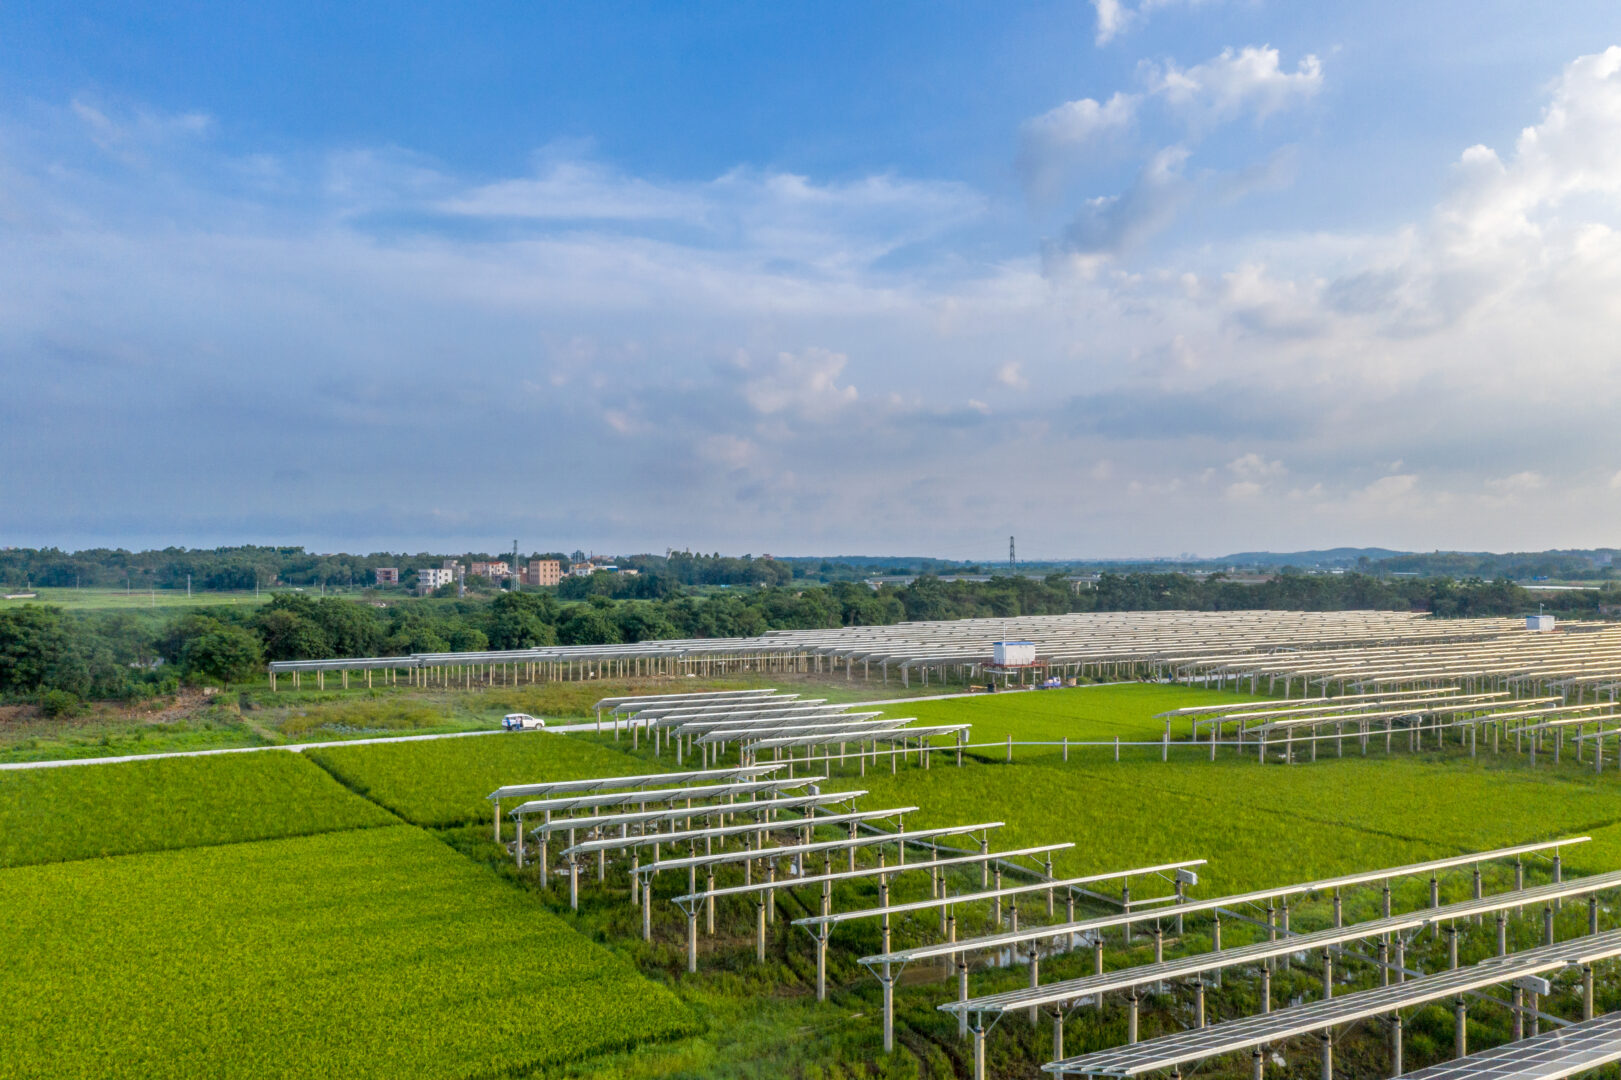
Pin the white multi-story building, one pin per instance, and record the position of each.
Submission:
(431, 579)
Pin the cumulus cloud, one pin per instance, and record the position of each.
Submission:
(1061, 137)
(1248, 81)
(1060, 143)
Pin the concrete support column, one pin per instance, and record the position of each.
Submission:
(1460, 1025)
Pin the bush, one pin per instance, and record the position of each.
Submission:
(60, 703)
(228, 654)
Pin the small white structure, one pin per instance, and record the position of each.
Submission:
(520, 721)
(1539, 622)
(1014, 653)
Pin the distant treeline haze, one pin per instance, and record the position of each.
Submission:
(124, 654)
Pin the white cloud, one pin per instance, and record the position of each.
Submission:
(583, 306)
(1390, 488)
(1519, 483)
(1244, 81)
(1011, 375)
(1110, 224)
(1114, 17)
(1063, 141)
(805, 384)
(1065, 136)
(1253, 466)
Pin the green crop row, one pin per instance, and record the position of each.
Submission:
(444, 782)
(85, 811)
(361, 954)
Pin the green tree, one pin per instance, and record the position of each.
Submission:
(289, 635)
(588, 625)
(226, 655)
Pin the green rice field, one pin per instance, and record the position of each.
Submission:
(376, 953)
(343, 910)
(88, 811)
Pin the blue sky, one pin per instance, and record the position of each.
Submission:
(1122, 278)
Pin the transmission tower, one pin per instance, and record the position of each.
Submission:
(1010, 559)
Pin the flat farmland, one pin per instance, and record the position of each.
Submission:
(88, 811)
(376, 953)
(444, 782)
(301, 913)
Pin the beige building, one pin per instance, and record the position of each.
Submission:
(543, 572)
(387, 575)
(492, 570)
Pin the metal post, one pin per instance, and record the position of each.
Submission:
(759, 939)
(573, 883)
(1131, 1016)
(1328, 1052)
(1266, 989)
(1058, 1033)
(647, 908)
(1395, 1046)
(1328, 975)
(1502, 933)
(692, 939)
(1401, 960)
(1198, 1002)
(1035, 978)
(1547, 924)
(1587, 991)
(1460, 1023)
(1519, 1014)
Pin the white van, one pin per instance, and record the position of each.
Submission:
(520, 721)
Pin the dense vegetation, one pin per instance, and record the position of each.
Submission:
(134, 653)
(377, 953)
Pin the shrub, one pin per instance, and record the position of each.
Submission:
(59, 703)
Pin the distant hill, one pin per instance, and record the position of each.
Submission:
(1340, 556)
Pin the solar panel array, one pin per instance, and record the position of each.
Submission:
(1205, 645)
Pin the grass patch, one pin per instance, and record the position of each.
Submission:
(86, 811)
(1083, 713)
(364, 717)
(444, 782)
(376, 954)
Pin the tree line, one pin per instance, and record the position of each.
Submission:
(133, 654)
